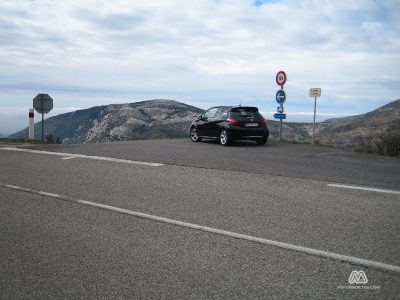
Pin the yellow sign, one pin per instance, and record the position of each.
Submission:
(315, 92)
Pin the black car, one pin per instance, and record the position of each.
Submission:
(228, 123)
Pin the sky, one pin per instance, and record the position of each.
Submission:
(85, 53)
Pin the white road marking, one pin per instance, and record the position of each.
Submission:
(18, 188)
(371, 189)
(49, 194)
(315, 252)
(72, 155)
(68, 157)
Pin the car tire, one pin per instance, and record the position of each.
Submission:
(194, 136)
(224, 137)
(262, 141)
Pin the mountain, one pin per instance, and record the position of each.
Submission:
(1, 136)
(171, 119)
(347, 132)
(119, 122)
(361, 129)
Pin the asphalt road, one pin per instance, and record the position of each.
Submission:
(54, 246)
(288, 160)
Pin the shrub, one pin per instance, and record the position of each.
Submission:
(50, 139)
(390, 144)
(387, 144)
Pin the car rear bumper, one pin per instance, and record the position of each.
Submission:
(239, 133)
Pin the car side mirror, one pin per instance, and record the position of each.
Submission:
(200, 117)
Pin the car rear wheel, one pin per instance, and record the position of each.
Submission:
(194, 136)
(262, 141)
(224, 137)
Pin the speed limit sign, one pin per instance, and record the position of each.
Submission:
(281, 78)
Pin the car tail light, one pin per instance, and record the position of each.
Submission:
(232, 121)
(263, 121)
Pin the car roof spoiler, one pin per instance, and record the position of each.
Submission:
(251, 108)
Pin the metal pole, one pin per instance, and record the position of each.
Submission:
(280, 128)
(41, 107)
(42, 126)
(313, 128)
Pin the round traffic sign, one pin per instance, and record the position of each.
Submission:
(280, 96)
(281, 78)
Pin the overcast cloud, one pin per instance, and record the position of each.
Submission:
(86, 53)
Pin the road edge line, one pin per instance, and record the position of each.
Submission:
(364, 188)
(286, 246)
(73, 155)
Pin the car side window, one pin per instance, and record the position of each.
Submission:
(209, 114)
(220, 112)
(224, 113)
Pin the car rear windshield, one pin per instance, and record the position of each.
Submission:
(245, 112)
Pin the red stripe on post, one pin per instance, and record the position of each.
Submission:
(31, 115)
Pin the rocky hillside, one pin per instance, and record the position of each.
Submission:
(357, 130)
(171, 119)
(120, 122)
(347, 132)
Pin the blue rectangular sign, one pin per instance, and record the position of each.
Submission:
(280, 116)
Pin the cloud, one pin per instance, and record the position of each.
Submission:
(87, 53)
(221, 66)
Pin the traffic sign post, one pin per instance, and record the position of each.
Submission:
(280, 116)
(281, 78)
(43, 104)
(280, 99)
(314, 92)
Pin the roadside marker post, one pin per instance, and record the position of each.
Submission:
(314, 92)
(31, 124)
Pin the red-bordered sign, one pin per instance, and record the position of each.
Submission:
(281, 78)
